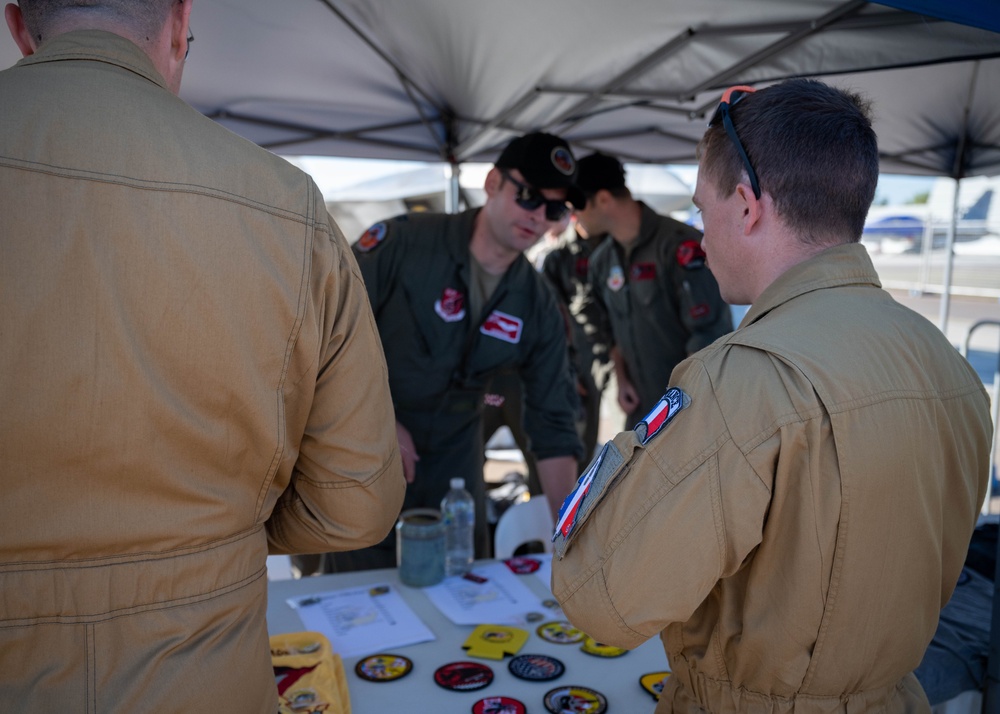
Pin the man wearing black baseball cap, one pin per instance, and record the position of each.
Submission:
(456, 303)
(659, 298)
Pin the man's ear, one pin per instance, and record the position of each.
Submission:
(602, 198)
(15, 23)
(180, 18)
(493, 181)
(753, 207)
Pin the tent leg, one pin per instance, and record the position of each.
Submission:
(949, 260)
(452, 191)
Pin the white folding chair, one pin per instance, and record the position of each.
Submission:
(522, 523)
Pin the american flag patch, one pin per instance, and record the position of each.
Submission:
(571, 506)
(665, 410)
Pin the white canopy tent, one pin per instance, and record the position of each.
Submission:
(440, 80)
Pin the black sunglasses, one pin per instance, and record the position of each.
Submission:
(730, 99)
(190, 39)
(530, 198)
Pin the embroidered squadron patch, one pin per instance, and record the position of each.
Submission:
(372, 237)
(503, 327)
(616, 278)
(450, 307)
(665, 410)
(699, 311)
(643, 271)
(563, 160)
(690, 255)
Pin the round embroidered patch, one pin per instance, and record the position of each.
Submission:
(463, 676)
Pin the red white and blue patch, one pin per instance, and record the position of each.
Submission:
(563, 160)
(571, 506)
(666, 409)
(503, 327)
(372, 237)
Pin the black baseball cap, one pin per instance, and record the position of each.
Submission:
(545, 161)
(599, 171)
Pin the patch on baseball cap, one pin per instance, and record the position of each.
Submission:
(545, 161)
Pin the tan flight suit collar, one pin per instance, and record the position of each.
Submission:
(99, 46)
(847, 264)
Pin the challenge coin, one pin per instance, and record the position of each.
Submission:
(536, 667)
(498, 705)
(575, 700)
(463, 676)
(383, 667)
(560, 633)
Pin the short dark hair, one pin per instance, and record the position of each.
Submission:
(814, 151)
(144, 17)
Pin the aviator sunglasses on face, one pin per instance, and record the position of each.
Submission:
(730, 99)
(530, 198)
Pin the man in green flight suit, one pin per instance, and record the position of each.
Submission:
(456, 303)
(651, 282)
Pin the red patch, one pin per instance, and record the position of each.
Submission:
(582, 265)
(690, 254)
(642, 271)
(699, 310)
(451, 306)
(503, 326)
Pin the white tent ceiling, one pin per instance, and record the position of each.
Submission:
(445, 80)
(439, 79)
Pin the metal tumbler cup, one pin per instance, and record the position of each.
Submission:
(420, 547)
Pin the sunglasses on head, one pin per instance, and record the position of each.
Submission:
(530, 198)
(730, 98)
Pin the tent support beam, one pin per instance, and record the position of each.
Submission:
(957, 172)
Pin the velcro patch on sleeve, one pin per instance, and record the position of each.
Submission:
(596, 482)
(666, 409)
(372, 237)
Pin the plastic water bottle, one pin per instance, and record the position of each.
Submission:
(459, 512)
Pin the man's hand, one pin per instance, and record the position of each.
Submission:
(558, 477)
(408, 451)
(628, 397)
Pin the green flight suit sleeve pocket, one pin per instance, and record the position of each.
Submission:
(596, 482)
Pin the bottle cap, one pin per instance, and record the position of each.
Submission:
(457, 482)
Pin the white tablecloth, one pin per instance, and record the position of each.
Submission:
(616, 678)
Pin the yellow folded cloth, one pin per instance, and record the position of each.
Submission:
(309, 674)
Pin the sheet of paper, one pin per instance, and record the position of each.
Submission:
(544, 572)
(363, 620)
(502, 599)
